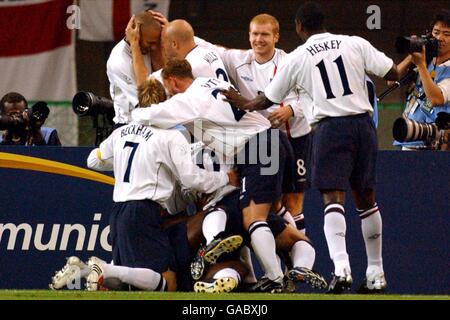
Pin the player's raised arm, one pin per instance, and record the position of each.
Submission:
(132, 33)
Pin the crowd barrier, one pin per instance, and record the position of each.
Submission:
(52, 207)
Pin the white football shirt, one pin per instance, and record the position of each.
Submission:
(122, 82)
(221, 126)
(149, 161)
(331, 70)
(210, 161)
(206, 63)
(251, 77)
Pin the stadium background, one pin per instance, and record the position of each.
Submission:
(413, 197)
(226, 23)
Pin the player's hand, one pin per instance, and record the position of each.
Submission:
(234, 97)
(159, 17)
(133, 31)
(233, 178)
(280, 116)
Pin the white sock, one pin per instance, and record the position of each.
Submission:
(246, 258)
(214, 223)
(303, 254)
(263, 244)
(371, 226)
(335, 228)
(145, 279)
(286, 215)
(300, 222)
(228, 273)
(284, 268)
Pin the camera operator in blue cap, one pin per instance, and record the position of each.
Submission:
(23, 125)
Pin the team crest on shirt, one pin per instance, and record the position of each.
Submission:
(128, 80)
(245, 78)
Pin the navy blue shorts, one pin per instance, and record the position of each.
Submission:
(288, 184)
(302, 162)
(261, 167)
(137, 238)
(345, 151)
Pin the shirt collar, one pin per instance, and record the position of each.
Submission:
(318, 36)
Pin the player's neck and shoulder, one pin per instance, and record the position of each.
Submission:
(120, 59)
(120, 51)
(273, 59)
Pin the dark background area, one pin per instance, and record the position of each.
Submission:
(226, 23)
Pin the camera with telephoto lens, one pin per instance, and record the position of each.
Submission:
(36, 115)
(407, 130)
(88, 104)
(99, 108)
(415, 44)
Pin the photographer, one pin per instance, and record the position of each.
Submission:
(24, 126)
(431, 91)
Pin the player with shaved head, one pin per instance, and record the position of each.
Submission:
(177, 42)
(123, 85)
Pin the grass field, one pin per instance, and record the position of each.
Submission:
(105, 295)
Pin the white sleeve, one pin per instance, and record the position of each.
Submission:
(283, 82)
(444, 85)
(208, 45)
(375, 62)
(190, 175)
(293, 101)
(232, 59)
(120, 80)
(94, 161)
(167, 114)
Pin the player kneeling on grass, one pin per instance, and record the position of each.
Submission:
(184, 234)
(147, 163)
(226, 213)
(147, 265)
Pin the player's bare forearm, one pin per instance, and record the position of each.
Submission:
(234, 97)
(139, 68)
(132, 34)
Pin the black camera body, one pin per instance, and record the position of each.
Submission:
(415, 44)
(88, 104)
(99, 108)
(36, 115)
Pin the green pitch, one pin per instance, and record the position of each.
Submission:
(118, 295)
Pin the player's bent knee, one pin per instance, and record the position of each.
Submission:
(294, 202)
(288, 237)
(255, 212)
